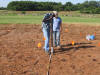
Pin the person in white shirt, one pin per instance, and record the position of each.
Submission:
(57, 28)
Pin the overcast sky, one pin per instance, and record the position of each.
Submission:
(3, 3)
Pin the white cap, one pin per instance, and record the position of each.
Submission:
(55, 12)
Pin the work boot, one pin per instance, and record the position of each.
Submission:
(47, 52)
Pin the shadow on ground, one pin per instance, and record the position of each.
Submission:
(77, 46)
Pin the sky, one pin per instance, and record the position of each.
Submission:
(4, 3)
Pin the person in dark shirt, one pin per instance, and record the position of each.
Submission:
(47, 21)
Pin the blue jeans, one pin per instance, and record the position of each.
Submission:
(56, 38)
(46, 33)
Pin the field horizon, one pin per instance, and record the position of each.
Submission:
(35, 17)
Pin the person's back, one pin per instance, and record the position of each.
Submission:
(47, 20)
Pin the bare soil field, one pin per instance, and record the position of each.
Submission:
(19, 54)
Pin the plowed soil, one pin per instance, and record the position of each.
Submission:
(19, 54)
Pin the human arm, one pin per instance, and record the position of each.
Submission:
(61, 26)
(47, 17)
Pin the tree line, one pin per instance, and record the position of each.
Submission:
(3, 8)
(91, 7)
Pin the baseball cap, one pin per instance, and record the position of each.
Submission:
(55, 12)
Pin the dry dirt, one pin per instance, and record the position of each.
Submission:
(19, 54)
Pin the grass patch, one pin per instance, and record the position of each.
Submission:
(20, 19)
(37, 19)
(80, 20)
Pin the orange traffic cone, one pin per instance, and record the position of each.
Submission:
(8, 30)
(99, 44)
(73, 43)
(95, 33)
(80, 34)
(44, 38)
(39, 45)
(66, 30)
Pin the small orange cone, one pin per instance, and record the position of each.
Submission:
(95, 33)
(73, 43)
(39, 45)
(44, 38)
(66, 30)
(80, 34)
(99, 44)
(8, 30)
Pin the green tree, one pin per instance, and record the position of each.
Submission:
(68, 6)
